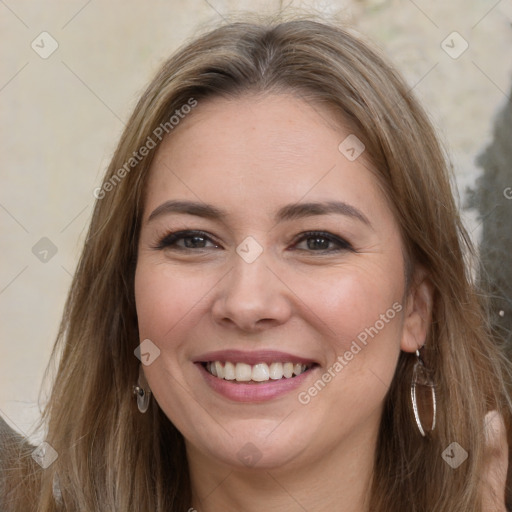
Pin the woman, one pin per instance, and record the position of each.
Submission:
(273, 309)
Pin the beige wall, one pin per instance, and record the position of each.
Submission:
(62, 115)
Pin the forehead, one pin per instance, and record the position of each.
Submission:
(268, 125)
(257, 152)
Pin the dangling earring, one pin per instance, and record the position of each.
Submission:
(421, 377)
(142, 391)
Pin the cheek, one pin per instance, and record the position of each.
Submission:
(167, 299)
(360, 316)
(354, 301)
(359, 312)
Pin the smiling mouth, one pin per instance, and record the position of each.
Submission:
(256, 373)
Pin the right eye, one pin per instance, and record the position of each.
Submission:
(186, 240)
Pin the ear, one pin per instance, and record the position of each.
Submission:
(418, 311)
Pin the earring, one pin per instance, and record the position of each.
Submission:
(421, 377)
(142, 391)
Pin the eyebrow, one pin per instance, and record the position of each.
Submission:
(286, 213)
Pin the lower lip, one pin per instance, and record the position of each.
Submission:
(258, 392)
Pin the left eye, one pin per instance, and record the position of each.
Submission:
(318, 241)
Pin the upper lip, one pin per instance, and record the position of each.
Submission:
(252, 357)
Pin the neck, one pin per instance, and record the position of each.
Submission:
(337, 481)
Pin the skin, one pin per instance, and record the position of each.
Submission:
(494, 478)
(250, 156)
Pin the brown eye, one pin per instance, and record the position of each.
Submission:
(319, 241)
(183, 240)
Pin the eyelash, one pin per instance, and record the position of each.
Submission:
(170, 239)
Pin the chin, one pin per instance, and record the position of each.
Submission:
(255, 448)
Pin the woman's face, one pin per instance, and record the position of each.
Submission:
(288, 259)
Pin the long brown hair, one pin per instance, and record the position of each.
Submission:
(111, 457)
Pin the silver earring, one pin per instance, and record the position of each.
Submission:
(421, 377)
(142, 391)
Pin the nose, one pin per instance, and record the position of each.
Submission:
(252, 297)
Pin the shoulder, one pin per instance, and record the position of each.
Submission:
(7, 433)
(10, 442)
(11, 446)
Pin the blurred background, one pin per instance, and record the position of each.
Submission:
(72, 71)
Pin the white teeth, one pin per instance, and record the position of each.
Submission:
(261, 372)
(219, 369)
(276, 371)
(243, 372)
(288, 370)
(229, 371)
